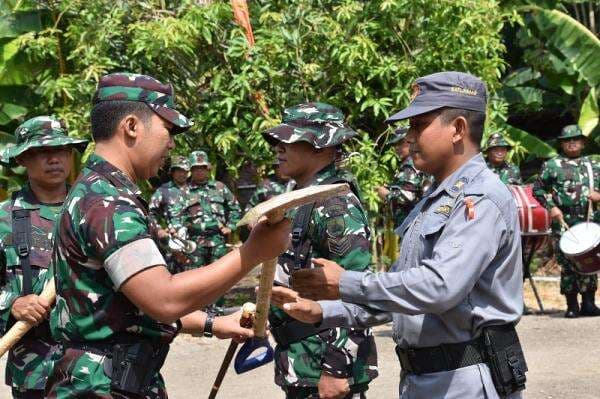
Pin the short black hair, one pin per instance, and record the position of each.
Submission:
(106, 115)
(475, 119)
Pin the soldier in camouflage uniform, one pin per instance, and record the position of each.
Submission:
(563, 187)
(409, 183)
(211, 213)
(166, 207)
(44, 148)
(269, 187)
(311, 362)
(496, 149)
(117, 306)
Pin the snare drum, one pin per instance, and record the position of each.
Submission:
(533, 217)
(581, 244)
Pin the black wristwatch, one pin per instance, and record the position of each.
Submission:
(208, 325)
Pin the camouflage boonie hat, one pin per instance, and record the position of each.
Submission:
(181, 162)
(199, 158)
(322, 125)
(142, 88)
(41, 131)
(399, 134)
(496, 140)
(570, 131)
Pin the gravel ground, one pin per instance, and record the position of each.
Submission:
(563, 357)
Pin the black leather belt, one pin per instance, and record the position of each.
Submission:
(444, 357)
(293, 331)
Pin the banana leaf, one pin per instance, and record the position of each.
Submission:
(532, 144)
(589, 116)
(574, 41)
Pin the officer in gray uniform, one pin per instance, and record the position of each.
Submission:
(456, 293)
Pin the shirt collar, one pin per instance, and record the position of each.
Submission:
(454, 183)
(116, 175)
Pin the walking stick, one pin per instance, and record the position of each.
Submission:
(20, 328)
(246, 321)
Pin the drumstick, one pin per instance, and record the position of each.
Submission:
(20, 328)
(568, 229)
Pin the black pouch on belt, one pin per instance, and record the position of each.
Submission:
(505, 358)
(134, 365)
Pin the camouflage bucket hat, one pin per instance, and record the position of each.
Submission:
(570, 131)
(180, 162)
(142, 88)
(399, 134)
(496, 140)
(198, 158)
(41, 131)
(322, 125)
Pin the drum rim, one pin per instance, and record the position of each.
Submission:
(596, 243)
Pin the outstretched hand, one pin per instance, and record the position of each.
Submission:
(322, 282)
(304, 310)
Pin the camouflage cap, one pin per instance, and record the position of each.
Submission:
(322, 125)
(142, 88)
(399, 134)
(496, 140)
(570, 131)
(41, 131)
(181, 162)
(198, 158)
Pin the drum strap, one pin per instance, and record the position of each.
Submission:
(591, 185)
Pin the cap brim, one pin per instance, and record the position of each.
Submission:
(412, 110)
(180, 122)
(287, 133)
(9, 155)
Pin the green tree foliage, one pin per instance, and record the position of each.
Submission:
(360, 56)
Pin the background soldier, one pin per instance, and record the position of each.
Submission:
(456, 292)
(27, 221)
(496, 150)
(270, 186)
(563, 187)
(166, 207)
(409, 183)
(313, 362)
(211, 215)
(117, 306)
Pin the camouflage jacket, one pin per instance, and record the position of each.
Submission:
(209, 207)
(29, 362)
(103, 213)
(564, 182)
(507, 172)
(268, 188)
(338, 230)
(167, 204)
(407, 189)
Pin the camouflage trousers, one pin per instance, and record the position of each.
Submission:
(572, 282)
(28, 365)
(207, 254)
(80, 374)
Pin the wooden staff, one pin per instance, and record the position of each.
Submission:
(274, 210)
(246, 321)
(20, 328)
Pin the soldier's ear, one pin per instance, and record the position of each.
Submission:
(130, 126)
(460, 126)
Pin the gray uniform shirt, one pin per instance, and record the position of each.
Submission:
(455, 274)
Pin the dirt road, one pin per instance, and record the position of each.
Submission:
(563, 357)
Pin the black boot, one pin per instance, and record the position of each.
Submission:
(572, 306)
(588, 304)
